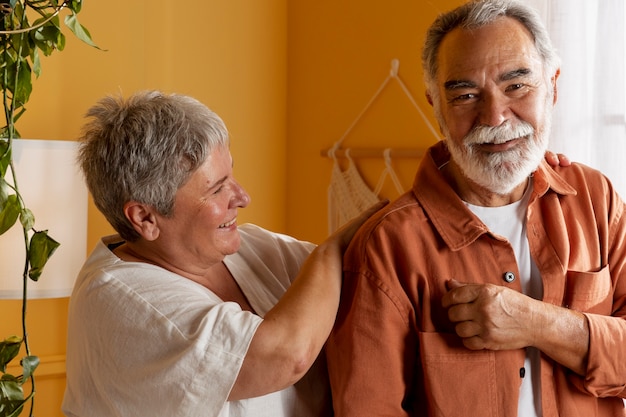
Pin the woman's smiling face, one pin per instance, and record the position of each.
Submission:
(203, 226)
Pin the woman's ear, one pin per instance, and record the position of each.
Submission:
(143, 219)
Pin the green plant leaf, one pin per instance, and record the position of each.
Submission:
(49, 36)
(5, 157)
(24, 85)
(8, 57)
(16, 117)
(75, 5)
(44, 40)
(9, 348)
(24, 45)
(34, 57)
(81, 32)
(4, 193)
(10, 68)
(11, 397)
(41, 248)
(27, 218)
(9, 214)
(29, 364)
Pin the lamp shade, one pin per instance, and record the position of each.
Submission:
(53, 189)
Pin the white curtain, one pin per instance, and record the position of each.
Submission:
(589, 121)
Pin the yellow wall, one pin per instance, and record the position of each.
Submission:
(288, 78)
(339, 53)
(231, 55)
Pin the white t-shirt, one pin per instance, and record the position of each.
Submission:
(510, 222)
(143, 341)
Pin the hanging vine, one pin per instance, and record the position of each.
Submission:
(21, 44)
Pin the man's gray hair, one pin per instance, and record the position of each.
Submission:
(480, 13)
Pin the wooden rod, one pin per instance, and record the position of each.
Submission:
(376, 152)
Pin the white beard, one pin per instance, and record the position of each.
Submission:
(500, 172)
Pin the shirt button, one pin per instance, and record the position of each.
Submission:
(522, 372)
(509, 277)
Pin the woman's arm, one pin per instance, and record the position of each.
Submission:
(294, 331)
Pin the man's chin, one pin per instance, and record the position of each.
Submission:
(500, 172)
(502, 178)
(499, 186)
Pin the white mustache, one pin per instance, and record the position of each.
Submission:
(498, 134)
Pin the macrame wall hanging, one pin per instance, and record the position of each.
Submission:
(348, 193)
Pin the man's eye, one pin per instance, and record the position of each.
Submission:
(464, 97)
(514, 87)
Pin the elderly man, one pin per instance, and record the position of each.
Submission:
(497, 285)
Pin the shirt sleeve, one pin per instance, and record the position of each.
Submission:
(606, 365)
(371, 351)
(266, 264)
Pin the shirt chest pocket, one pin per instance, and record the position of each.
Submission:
(590, 292)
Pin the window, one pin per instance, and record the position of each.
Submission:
(589, 119)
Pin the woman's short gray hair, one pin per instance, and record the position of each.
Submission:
(144, 149)
(480, 13)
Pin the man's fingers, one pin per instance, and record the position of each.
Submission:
(458, 293)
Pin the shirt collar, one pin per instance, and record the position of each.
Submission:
(455, 223)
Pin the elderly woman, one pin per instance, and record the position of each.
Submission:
(183, 313)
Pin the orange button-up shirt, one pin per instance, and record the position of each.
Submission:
(394, 352)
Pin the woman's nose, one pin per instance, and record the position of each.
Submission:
(242, 198)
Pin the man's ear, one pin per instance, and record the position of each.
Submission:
(554, 89)
(143, 219)
(429, 98)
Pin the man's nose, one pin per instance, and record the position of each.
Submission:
(494, 110)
